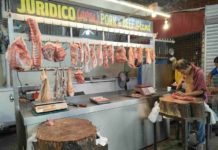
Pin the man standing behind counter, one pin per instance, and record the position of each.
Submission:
(213, 72)
(195, 86)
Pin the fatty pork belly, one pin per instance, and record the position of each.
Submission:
(17, 55)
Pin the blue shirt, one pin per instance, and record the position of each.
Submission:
(214, 71)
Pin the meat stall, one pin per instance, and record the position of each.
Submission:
(63, 50)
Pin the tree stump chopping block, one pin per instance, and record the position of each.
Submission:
(175, 107)
(66, 134)
(197, 108)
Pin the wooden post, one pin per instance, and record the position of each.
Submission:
(66, 134)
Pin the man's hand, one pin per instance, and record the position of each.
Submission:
(179, 93)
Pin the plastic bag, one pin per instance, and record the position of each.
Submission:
(213, 116)
(154, 115)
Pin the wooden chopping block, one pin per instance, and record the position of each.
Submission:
(197, 108)
(65, 134)
(175, 107)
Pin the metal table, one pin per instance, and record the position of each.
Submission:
(185, 122)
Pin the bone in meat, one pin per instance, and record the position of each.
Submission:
(99, 54)
(35, 36)
(131, 60)
(17, 55)
(105, 56)
(111, 53)
(93, 56)
(60, 53)
(48, 51)
(79, 77)
(45, 94)
(120, 55)
(53, 52)
(70, 89)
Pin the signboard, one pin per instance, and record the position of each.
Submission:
(62, 11)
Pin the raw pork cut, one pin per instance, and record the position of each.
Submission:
(99, 54)
(86, 56)
(53, 52)
(185, 98)
(48, 51)
(79, 77)
(35, 36)
(93, 57)
(150, 55)
(70, 89)
(74, 52)
(139, 58)
(45, 94)
(60, 84)
(131, 58)
(111, 53)
(18, 56)
(60, 53)
(120, 55)
(80, 53)
(105, 56)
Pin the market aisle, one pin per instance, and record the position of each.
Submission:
(8, 142)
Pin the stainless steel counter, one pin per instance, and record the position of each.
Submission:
(119, 120)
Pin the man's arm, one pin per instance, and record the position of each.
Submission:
(209, 78)
(194, 93)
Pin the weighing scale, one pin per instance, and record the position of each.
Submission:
(42, 107)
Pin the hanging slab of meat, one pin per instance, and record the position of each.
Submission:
(120, 55)
(99, 54)
(105, 56)
(70, 89)
(60, 84)
(53, 52)
(86, 56)
(48, 51)
(60, 53)
(111, 53)
(139, 58)
(152, 53)
(93, 56)
(131, 58)
(80, 53)
(17, 55)
(79, 77)
(148, 55)
(35, 36)
(45, 94)
(74, 51)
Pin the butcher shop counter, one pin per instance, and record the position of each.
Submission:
(123, 121)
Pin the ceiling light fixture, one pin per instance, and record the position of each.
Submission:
(88, 32)
(166, 25)
(153, 15)
(140, 7)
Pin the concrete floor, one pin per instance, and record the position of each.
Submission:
(8, 142)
